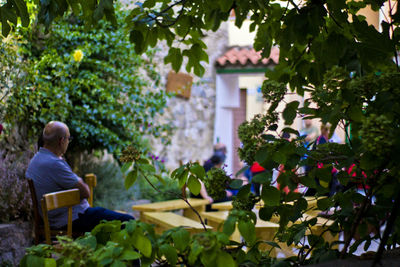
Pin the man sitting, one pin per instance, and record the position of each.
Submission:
(51, 173)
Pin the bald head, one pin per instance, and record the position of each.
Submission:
(53, 132)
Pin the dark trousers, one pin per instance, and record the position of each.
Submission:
(92, 217)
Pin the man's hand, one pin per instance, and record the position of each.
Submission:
(83, 188)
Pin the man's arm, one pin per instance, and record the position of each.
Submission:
(83, 188)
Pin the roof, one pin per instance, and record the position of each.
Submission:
(246, 57)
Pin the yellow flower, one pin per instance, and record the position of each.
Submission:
(78, 55)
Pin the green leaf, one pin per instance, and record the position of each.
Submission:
(74, 4)
(117, 263)
(4, 16)
(225, 260)
(198, 171)
(131, 177)
(229, 225)
(236, 183)
(129, 255)
(290, 131)
(247, 230)
(126, 167)
(147, 168)
(271, 196)
(143, 161)
(308, 181)
(262, 155)
(182, 178)
(170, 254)
(273, 127)
(273, 244)
(299, 235)
(175, 58)
(195, 251)
(266, 213)
(177, 172)
(244, 191)
(181, 239)
(194, 185)
(23, 12)
(269, 137)
(279, 157)
(324, 203)
(262, 178)
(33, 260)
(50, 263)
(137, 38)
(89, 241)
(142, 243)
(159, 178)
(290, 112)
(355, 113)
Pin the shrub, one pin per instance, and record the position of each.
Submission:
(110, 191)
(15, 199)
(167, 190)
(90, 79)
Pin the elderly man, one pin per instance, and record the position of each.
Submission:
(51, 173)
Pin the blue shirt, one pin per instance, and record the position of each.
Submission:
(51, 174)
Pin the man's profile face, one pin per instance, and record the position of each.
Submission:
(65, 140)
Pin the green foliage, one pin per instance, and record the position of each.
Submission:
(110, 192)
(189, 174)
(347, 66)
(91, 80)
(216, 182)
(108, 244)
(246, 202)
(152, 183)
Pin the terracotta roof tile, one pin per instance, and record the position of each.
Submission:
(247, 56)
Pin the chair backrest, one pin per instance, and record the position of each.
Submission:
(38, 222)
(60, 199)
(91, 181)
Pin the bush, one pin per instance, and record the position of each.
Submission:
(110, 192)
(90, 79)
(15, 198)
(168, 190)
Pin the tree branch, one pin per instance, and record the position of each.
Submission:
(179, 196)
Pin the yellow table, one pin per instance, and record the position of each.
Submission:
(168, 220)
(264, 231)
(176, 204)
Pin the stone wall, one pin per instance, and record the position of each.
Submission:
(14, 238)
(192, 118)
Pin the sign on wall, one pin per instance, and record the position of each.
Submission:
(180, 84)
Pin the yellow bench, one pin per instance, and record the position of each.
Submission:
(168, 220)
(264, 231)
(176, 204)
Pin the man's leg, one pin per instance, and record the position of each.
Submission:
(92, 217)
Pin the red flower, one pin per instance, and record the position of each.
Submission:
(1, 128)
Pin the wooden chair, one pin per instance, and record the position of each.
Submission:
(37, 220)
(91, 181)
(38, 224)
(60, 199)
